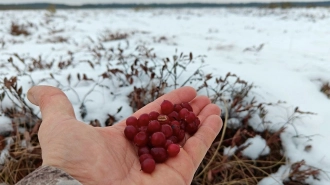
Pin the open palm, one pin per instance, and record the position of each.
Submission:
(95, 155)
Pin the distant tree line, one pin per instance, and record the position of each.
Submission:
(158, 5)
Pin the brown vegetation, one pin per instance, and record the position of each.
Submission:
(230, 92)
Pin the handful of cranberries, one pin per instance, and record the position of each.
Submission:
(157, 135)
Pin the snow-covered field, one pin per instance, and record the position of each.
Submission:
(284, 53)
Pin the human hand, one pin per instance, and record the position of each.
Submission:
(102, 155)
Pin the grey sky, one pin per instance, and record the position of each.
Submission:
(77, 2)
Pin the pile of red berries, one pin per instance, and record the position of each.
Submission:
(157, 135)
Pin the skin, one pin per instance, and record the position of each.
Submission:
(95, 155)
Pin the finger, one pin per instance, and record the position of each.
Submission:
(183, 94)
(54, 104)
(199, 103)
(197, 145)
(206, 111)
(209, 110)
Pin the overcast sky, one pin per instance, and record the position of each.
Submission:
(78, 2)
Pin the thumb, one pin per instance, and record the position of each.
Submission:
(54, 104)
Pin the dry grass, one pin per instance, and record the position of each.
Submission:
(217, 168)
(21, 160)
(24, 154)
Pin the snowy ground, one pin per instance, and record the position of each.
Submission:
(284, 53)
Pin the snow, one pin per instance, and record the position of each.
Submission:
(276, 178)
(256, 123)
(256, 147)
(229, 151)
(290, 66)
(5, 124)
(233, 123)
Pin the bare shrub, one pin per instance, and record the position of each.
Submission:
(326, 89)
(17, 29)
(24, 152)
(109, 36)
